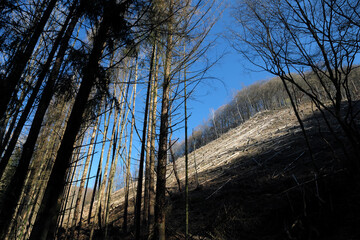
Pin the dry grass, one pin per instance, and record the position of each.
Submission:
(257, 182)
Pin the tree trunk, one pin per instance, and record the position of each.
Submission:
(164, 124)
(186, 161)
(83, 178)
(152, 151)
(148, 153)
(123, 115)
(65, 199)
(4, 138)
(99, 170)
(44, 173)
(77, 170)
(46, 219)
(46, 94)
(47, 144)
(174, 162)
(142, 154)
(102, 188)
(17, 182)
(128, 162)
(87, 181)
(8, 85)
(113, 147)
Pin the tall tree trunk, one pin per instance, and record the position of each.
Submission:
(20, 48)
(38, 167)
(102, 187)
(142, 154)
(128, 162)
(46, 94)
(148, 153)
(65, 198)
(123, 115)
(83, 178)
(8, 85)
(17, 182)
(102, 184)
(186, 163)
(152, 150)
(87, 180)
(48, 172)
(47, 216)
(112, 148)
(44, 173)
(164, 125)
(174, 162)
(77, 171)
(4, 138)
(99, 172)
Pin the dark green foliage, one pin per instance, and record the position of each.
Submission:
(77, 57)
(65, 88)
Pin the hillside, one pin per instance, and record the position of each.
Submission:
(257, 182)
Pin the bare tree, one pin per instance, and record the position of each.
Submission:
(163, 135)
(128, 162)
(142, 152)
(310, 45)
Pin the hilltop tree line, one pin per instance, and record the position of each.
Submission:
(311, 47)
(257, 97)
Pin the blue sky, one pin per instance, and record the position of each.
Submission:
(229, 75)
(225, 78)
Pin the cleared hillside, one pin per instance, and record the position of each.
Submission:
(257, 182)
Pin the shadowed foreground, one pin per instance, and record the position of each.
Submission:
(258, 182)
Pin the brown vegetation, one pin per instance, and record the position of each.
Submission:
(257, 182)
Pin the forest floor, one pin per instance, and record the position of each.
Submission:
(257, 181)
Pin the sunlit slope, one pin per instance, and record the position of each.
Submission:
(257, 181)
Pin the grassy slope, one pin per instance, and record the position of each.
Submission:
(257, 182)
